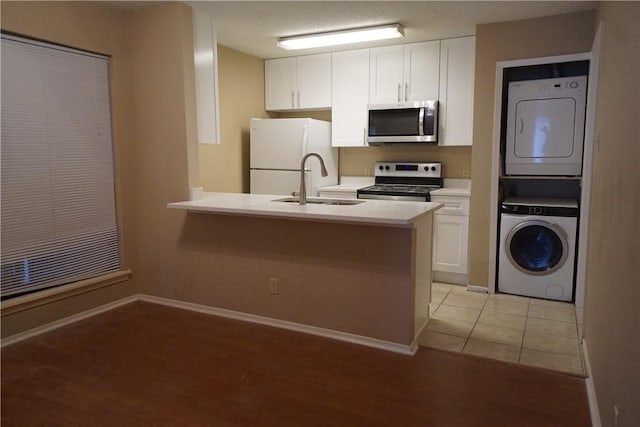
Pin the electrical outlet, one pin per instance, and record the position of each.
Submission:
(273, 285)
(367, 172)
(466, 174)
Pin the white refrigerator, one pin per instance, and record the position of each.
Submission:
(276, 150)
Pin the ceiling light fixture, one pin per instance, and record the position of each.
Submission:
(333, 38)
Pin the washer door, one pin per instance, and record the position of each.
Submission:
(537, 247)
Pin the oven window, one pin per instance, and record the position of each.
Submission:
(394, 122)
(536, 248)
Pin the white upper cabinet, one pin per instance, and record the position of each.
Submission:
(280, 83)
(205, 61)
(314, 81)
(457, 71)
(298, 83)
(350, 96)
(421, 68)
(404, 73)
(386, 77)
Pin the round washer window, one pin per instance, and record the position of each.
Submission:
(536, 247)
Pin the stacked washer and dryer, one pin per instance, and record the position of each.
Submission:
(538, 235)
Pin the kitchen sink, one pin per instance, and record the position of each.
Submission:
(321, 201)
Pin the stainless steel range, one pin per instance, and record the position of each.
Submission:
(403, 181)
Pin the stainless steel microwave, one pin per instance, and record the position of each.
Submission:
(403, 124)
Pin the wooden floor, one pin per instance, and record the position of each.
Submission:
(145, 364)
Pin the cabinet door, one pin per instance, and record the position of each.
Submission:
(314, 81)
(349, 97)
(280, 83)
(450, 236)
(421, 71)
(386, 76)
(457, 71)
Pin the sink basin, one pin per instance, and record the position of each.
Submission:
(321, 201)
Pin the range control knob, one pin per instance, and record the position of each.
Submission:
(387, 167)
(381, 167)
(433, 168)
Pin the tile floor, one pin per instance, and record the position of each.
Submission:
(506, 327)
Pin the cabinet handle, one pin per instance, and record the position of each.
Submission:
(456, 206)
(399, 88)
(406, 92)
(298, 98)
(521, 126)
(293, 104)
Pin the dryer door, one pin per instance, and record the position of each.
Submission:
(537, 247)
(544, 129)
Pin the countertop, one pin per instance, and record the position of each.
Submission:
(454, 187)
(373, 212)
(350, 183)
(464, 192)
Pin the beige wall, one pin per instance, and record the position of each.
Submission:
(100, 29)
(225, 166)
(612, 310)
(553, 35)
(160, 39)
(455, 160)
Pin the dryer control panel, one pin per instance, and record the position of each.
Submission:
(543, 207)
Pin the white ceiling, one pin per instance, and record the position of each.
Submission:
(253, 27)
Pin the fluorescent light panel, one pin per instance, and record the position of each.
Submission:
(357, 35)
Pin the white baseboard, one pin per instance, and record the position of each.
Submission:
(284, 324)
(480, 289)
(67, 321)
(591, 389)
(447, 277)
(327, 333)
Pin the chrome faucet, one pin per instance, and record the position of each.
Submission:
(303, 187)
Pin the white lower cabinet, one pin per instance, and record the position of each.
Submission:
(451, 239)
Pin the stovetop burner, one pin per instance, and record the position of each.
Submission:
(401, 188)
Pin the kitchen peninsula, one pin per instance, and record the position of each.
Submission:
(359, 273)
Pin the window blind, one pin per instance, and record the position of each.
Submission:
(57, 208)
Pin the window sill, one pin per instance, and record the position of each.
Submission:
(18, 304)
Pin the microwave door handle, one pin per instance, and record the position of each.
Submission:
(399, 89)
(421, 122)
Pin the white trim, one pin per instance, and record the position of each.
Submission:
(66, 321)
(49, 45)
(591, 139)
(47, 296)
(475, 288)
(495, 163)
(284, 324)
(448, 277)
(230, 314)
(495, 176)
(591, 388)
